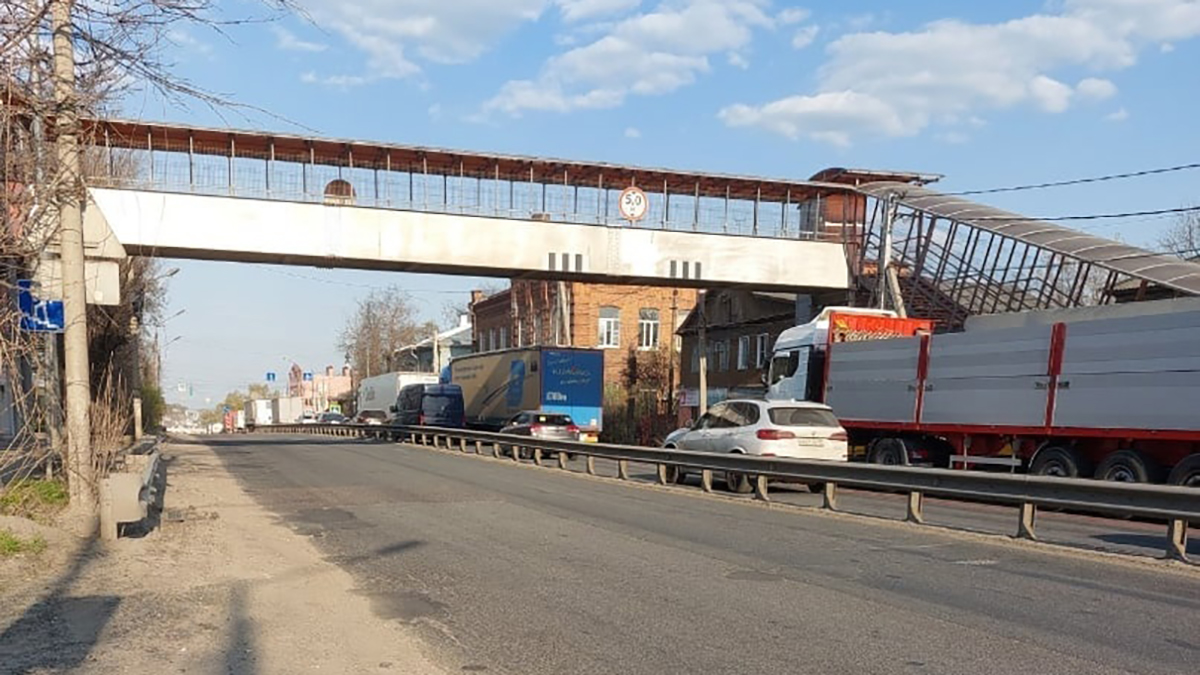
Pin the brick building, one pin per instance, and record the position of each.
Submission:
(740, 329)
(611, 317)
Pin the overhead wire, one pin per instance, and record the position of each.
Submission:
(1079, 181)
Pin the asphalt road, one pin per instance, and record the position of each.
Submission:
(518, 570)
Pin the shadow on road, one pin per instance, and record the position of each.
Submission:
(59, 631)
(241, 657)
(1150, 541)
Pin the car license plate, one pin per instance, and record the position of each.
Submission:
(808, 442)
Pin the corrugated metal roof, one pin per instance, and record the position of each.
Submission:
(1165, 270)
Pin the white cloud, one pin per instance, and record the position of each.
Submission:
(435, 111)
(654, 52)
(188, 41)
(1166, 48)
(578, 10)
(804, 36)
(338, 81)
(1119, 115)
(793, 15)
(952, 137)
(633, 132)
(738, 61)
(952, 67)
(1096, 89)
(439, 31)
(288, 41)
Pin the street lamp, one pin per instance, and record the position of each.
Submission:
(160, 351)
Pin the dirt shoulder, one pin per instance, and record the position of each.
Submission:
(218, 587)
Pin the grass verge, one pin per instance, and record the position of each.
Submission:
(11, 544)
(33, 499)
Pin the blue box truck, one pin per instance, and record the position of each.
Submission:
(498, 385)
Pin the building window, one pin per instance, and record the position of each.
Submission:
(610, 327)
(537, 329)
(648, 327)
(721, 354)
(504, 337)
(763, 351)
(743, 355)
(696, 358)
(492, 344)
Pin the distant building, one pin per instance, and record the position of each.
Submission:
(451, 343)
(740, 331)
(611, 317)
(323, 390)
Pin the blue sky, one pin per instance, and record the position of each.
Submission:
(988, 94)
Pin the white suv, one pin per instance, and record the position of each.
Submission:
(789, 429)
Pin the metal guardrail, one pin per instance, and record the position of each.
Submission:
(1176, 505)
(127, 496)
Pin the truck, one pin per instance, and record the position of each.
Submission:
(234, 421)
(498, 385)
(287, 409)
(378, 394)
(1090, 394)
(258, 413)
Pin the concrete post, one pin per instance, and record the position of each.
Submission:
(916, 507)
(137, 418)
(1177, 540)
(1026, 526)
(623, 469)
(662, 474)
(706, 480)
(760, 489)
(829, 496)
(537, 456)
(591, 465)
(562, 459)
(69, 198)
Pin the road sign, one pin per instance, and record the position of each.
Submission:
(40, 316)
(270, 377)
(633, 204)
(308, 377)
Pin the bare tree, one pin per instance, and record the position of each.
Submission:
(1183, 237)
(383, 322)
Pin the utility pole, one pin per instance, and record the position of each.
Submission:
(80, 472)
(703, 296)
(882, 287)
(671, 355)
(437, 361)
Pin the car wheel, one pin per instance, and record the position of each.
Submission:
(738, 483)
(889, 452)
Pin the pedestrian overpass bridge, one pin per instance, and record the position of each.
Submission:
(217, 194)
(212, 194)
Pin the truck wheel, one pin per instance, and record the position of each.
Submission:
(1129, 466)
(738, 482)
(1187, 472)
(1060, 462)
(889, 452)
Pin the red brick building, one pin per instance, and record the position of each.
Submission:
(611, 317)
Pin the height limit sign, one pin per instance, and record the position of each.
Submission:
(633, 204)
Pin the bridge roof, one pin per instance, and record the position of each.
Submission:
(1166, 270)
(142, 135)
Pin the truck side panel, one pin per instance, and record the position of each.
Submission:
(498, 385)
(988, 378)
(1135, 373)
(874, 380)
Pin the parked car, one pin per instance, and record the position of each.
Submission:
(370, 417)
(309, 417)
(789, 429)
(331, 417)
(545, 425)
(435, 405)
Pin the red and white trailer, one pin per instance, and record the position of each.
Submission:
(1110, 398)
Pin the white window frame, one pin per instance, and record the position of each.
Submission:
(763, 349)
(743, 355)
(648, 329)
(504, 337)
(608, 335)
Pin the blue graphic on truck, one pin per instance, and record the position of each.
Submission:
(573, 383)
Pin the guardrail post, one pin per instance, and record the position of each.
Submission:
(706, 480)
(1026, 525)
(1177, 540)
(916, 507)
(760, 489)
(516, 452)
(462, 445)
(662, 474)
(537, 456)
(479, 447)
(496, 450)
(591, 465)
(108, 521)
(562, 460)
(829, 496)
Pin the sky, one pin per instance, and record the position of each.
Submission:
(986, 94)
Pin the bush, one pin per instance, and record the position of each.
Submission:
(153, 408)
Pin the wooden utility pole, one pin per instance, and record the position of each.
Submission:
(702, 297)
(80, 471)
(671, 355)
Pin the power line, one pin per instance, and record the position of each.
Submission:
(1079, 181)
(1093, 216)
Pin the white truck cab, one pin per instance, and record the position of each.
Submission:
(792, 362)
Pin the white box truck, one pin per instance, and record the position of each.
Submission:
(287, 410)
(259, 413)
(377, 394)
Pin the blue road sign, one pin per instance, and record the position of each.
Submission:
(270, 377)
(308, 377)
(42, 316)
